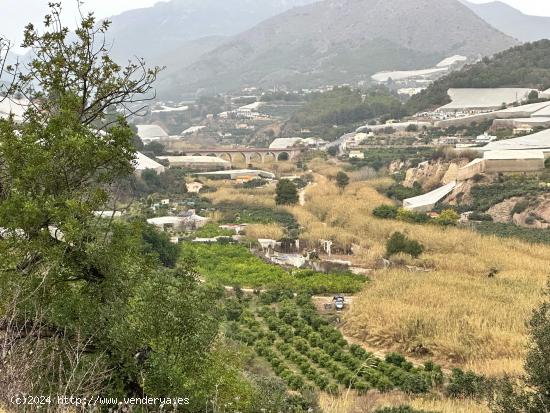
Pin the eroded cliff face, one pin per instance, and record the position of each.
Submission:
(535, 212)
(433, 174)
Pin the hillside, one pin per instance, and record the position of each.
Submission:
(512, 21)
(155, 31)
(358, 38)
(527, 66)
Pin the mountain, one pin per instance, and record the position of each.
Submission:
(167, 26)
(340, 41)
(526, 66)
(512, 21)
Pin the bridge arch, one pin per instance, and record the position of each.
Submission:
(283, 156)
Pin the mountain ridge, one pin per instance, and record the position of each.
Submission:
(509, 20)
(339, 41)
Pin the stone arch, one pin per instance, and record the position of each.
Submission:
(283, 156)
(270, 157)
(256, 157)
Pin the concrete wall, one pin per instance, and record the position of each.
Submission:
(513, 165)
(470, 170)
(492, 166)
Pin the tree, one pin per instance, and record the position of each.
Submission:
(342, 180)
(77, 291)
(398, 242)
(286, 193)
(156, 148)
(332, 150)
(533, 394)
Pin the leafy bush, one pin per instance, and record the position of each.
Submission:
(386, 211)
(466, 385)
(478, 216)
(234, 264)
(412, 217)
(286, 193)
(447, 218)
(533, 235)
(398, 242)
(520, 207)
(400, 192)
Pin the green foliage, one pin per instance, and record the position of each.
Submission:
(478, 216)
(526, 66)
(398, 242)
(412, 216)
(386, 211)
(345, 106)
(520, 207)
(172, 181)
(400, 192)
(154, 148)
(211, 230)
(333, 150)
(305, 350)
(99, 315)
(466, 385)
(342, 180)
(532, 235)
(233, 264)
(378, 158)
(448, 217)
(486, 195)
(286, 193)
(243, 213)
(159, 243)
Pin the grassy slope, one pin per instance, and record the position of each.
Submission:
(458, 313)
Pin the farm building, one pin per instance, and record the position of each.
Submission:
(199, 163)
(148, 133)
(484, 99)
(285, 143)
(239, 174)
(539, 140)
(513, 161)
(142, 163)
(426, 202)
(500, 161)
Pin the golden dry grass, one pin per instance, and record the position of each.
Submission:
(352, 403)
(261, 197)
(456, 311)
(266, 231)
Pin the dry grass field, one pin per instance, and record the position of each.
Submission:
(455, 311)
(352, 403)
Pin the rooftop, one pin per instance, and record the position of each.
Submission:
(513, 155)
(484, 98)
(151, 131)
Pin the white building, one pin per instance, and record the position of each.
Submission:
(142, 163)
(426, 202)
(197, 162)
(483, 99)
(148, 133)
(285, 143)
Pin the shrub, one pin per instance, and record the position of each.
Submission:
(386, 212)
(398, 242)
(466, 385)
(286, 191)
(447, 218)
(520, 207)
(478, 216)
(412, 217)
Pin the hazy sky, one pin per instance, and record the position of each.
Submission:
(15, 14)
